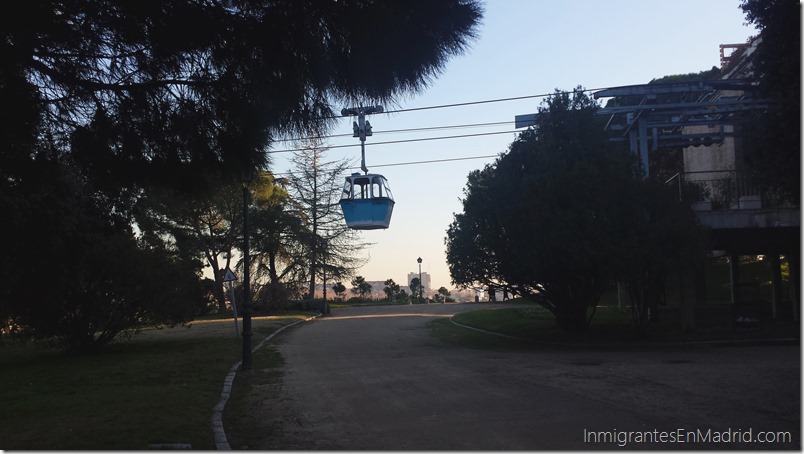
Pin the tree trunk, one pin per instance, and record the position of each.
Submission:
(220, 296)
(314, 236)
(573, 321)
(218, 291)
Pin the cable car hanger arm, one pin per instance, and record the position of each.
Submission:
(361, 128)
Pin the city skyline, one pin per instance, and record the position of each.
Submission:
(378, 285)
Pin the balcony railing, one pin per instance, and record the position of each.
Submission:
(723, 190)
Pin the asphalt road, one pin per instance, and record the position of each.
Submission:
(374, 378)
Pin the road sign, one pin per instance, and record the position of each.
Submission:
(229, 276)
(523, 121)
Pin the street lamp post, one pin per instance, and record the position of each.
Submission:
(420, 279)
(247, 334)
(325, 309)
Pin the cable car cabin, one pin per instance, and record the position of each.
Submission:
(367, 202)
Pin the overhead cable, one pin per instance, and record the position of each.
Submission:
(432, 161)
(423, 139)
(406, 163)
(396, 131)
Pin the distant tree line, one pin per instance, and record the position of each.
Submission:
(394, 293)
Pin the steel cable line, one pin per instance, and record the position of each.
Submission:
(423, 139)
(472, 103)
(405, 163)
(397, 131)
(428, 129)
(431, 161)
(443, 106)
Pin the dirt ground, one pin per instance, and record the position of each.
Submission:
(374, 378)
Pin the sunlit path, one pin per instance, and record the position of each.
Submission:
(375, 378)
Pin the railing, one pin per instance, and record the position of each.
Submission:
(721, 190)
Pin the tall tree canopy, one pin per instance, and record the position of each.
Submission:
(117, 100)
(164, 89)
(78, 274)
(209, 226)
(554, 218)
(773, 137)
(331, 248)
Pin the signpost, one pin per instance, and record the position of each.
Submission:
(229, 277)
(523, 121)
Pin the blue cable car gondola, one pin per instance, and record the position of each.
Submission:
(367, 202)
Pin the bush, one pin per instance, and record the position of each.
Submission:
(358, 300)
(271, 297)
(306, 305)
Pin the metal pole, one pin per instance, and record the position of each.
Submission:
(246, 364)
(360, 129)
(643, 146)
(325, 309)
(363, 154)
(234, 309)
(420, 280)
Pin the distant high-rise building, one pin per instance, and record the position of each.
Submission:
(425, 281)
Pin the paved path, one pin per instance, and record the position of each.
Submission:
(374, 378)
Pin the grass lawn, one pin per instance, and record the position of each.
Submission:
(532, 322)
(610, 326)
(249, 422)
(157, 387)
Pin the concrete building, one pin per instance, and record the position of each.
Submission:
(425, 282)
(703, 118)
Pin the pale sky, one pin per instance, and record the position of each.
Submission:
(524, 48)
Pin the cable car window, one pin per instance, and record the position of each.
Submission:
(387, 189)
(376, 187)
(363, 184)
(347, 190)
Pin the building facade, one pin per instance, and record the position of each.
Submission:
(703, 118)
(425, 282)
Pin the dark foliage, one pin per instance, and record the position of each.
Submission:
(108, 103)
(562, 215)
(162, 91)
(773, 137)
(79, 275)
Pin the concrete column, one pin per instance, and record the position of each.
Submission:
(689, 299)
(643, 145)
(794, 261)
(700, 284)
(734, 274)
(776, 284)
